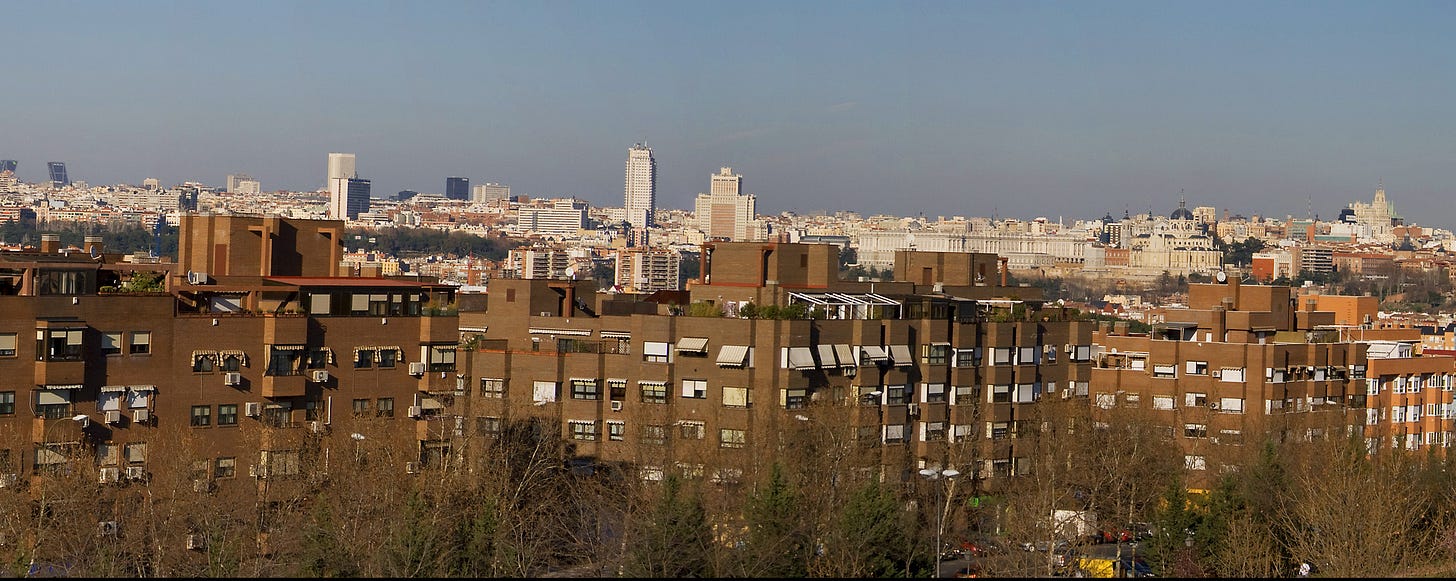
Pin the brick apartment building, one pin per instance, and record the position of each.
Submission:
(255, 346)
(902, 368)
(1244, 362)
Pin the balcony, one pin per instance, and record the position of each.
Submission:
(59, 430)
(69, 372)
(275, 386)
(439, 329)
(439, 427)
(285, 329)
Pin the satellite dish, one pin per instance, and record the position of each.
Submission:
(1220, 276)
(95, 252)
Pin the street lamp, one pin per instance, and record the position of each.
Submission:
(935, 476)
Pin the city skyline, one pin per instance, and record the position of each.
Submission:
(1010, 109)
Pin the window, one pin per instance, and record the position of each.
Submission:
(107, 454)
(204, 363)
(199, 470)
(490, 387)
(1192, 399)
(894, 434)
(1232, 374)
(361, 407)
(936, 354)
(731, 438)
(543, 391)
(690, 430)
(311, 408)
(388, 358)
(735, 397)
(1026, 355)
(1001, 356)
(654, 434)
(695, 388)
(934, 393)
(1357, 372)
(1000, 394)
(616, 431)
(284, 359)
(281, 462)
(585, 389)
(896, 395)
(59, 344)
(235, 363)
(1106, 400)
(278, 415)
(653, 391)
(933, 431)
(111, 343)
(1231, 405)
(135, 452)
(487, 426)
(1195, 431)
(1194, 463)
(227, 414)
(7, 344)
(226, 467)
(141, 343)
(656, 352)
(968, 357)
(363, 358)
(1165, 371)
(7, 403)
(617, 389)
(584, 430)
(794, 399)
(965, 394)
(201, 416)
(1197, 368)
(442, 357)
(384, 407)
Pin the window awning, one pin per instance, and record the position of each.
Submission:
(200, 355)
(287, 347)
(431, 403)
(801, 358)
(142, 387)
(62, 386)
(874, 353)
(733, 356)
(112, 388)
(53, 397)
(900, 354)
(826, 355)
(243, 357)
(575, 332)
(693, 344)
(616, 335)
(844, 354)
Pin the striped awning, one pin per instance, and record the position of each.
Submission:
(801, 358)
(200, 355)
(900, 354)
(844, 354)
(241, 355)
(574, 332)
(874, 353)
(733, 356)
(616, 335)
(693, 344)
(62, 386)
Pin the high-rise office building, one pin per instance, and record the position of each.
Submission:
(341, 170)
(152, 184)
(457, 188)
(724, 213)
(640, 195)
(8, 165)
(490, 191)
(241, 183)
(59, 179)
(355, 200)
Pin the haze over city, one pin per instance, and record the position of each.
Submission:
(943, 108)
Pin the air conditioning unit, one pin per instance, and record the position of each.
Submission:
(913, 409)
(1213, 405)
(417, 368)
(203, 486)
(108, 474)
(320, 375)
(257, 471)
(136, 473)
(1071, 348)
(113, 416)
(412, 467)
(196, 542)
(253, 409)
(414, 411)
(616, 406)
(232, 378)
(141, 416)
(107, 528)
(197, 278)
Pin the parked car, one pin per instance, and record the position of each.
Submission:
(981, 546)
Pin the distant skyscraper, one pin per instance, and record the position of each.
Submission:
(489, 191)
(641, 189)
(356, 199)
(725, 213)
(152, 184)
(8, 165)
(340, 170)
(457, 188)
(58, 174)
(235, 183)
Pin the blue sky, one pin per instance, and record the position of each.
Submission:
(1017, 109)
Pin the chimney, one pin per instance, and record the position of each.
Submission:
(1004, 268)
(1120, 328)
(371, 270)
(1220, 321)
(50, 243)
(1233, 284)
(94, 245)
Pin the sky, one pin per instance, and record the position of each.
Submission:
(1023, 109)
